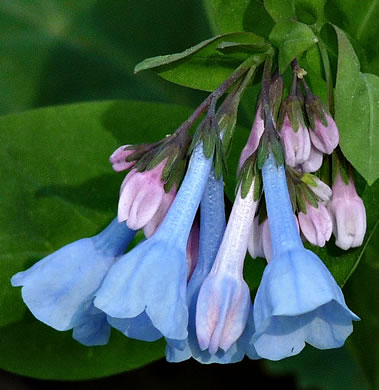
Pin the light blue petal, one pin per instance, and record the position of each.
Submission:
(299, 301)
(139, 328)
(283, 336)
(59, 289)
(94, 330)
(152, 278)
(329, 326)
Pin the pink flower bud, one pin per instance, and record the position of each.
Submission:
(254, 138)
(348, 213)
(319, 188)
(325, 139)
(297, 145)
(314, 160)
(316, 225)
(140, 197)
(117, 159)
(151, 227)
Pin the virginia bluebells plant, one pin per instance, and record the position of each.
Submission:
(184, 280)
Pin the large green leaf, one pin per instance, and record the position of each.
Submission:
(206, 65)
(227, 16)
(56, 187)
(357, 111)
(292, 39)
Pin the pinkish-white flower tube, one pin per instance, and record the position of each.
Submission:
(348, 214)
(325, 138)
(140, 197)
(297, 144)
(254, 138)
(224, 299)
(118, 157)
(316, 224)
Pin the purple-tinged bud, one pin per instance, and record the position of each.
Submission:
(151, 227)
(255, 244)
(348, 213)
(325, 138)
(254, 138)
(141, 195)
(118, 157)
(316, 224)
(318, 187)
(297, 145)
(314, 161)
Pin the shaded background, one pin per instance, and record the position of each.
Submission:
(64, 51)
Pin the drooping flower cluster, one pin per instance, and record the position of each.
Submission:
(184, 282)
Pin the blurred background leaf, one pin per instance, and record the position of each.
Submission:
(61, 51)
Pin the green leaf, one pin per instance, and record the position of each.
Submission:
(310, 11)
(57, 186)
(292, 39)
(357, 111)
(226, 16)
(203, 66)
(306, 11)
(281, 10)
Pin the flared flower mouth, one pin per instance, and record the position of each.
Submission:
(324, 327)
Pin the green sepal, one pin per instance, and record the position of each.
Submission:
(310, 196)
(300, 200)
(177, 174)
(262, 151)
(277, 150)
(315, 109)
(309, 180)
(164, 152)
(258, 186)
(209, 142)
(340, 165)
(276, 95)
(220, 163)
(291, 190)
(248, 172)
(170, 164)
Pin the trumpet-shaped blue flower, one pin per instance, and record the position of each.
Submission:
(298, 299)
(211, 232)
(60, 288)
(152, 278)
